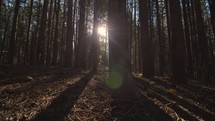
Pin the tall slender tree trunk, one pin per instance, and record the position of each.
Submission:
(28, 34)
(160, 41)
(169, 39)
(130, 11)
(135, 37)
(194, 39)
(63, 35)
(178, 45)
(119, 78)
(187, 39)
(13, 33)
(35, 35)
(81, 37)
(95, 38)
(41, 36)
(69, 36)
(56, 43)
(48, 46)
(212, 10)
(203, 42)
(7, 18)
(76, 21)
(146, 41)
(1, 1)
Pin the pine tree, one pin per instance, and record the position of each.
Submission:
(69, 36)
(146, 42)
(12, 46)
(178, 46)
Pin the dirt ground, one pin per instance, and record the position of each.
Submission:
(64, 94)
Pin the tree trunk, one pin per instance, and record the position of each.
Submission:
(35, 35)
(130, 11)
(81, 37)
(41, 36)
(63, 28)
(3, 48)
(194, 39)
(1, 1)
(212, 10)
(120, 75)
(169, 68)
(48, 46)
(55, 47)
(12, 44)
(146, 42)
(135, 37)
(178, 46)
(203, 43)
(188, 41)
(94, 49)
(28, 34)
(160, 41)
(69, 36)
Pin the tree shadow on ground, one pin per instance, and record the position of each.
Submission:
(62, 105)
(126, 107)
(134, 107)
(53, 77)
(129, 111)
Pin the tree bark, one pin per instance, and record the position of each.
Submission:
(169, 39)
(41, 36)
(63, 35)
(81, 37)
(35, 35)
(69, 36)
(12, 44)
(4, 38)
(187, 39)
(48, 46)
(160, 41)
(194, 39)
(212, 10)
(203, 43)
(55, 46)
(94, 49)
(135, 37)
(120, 74)
(26, 57)
(1, 1)
(178, 43)
(146, 42)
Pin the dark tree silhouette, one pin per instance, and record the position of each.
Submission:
(120, 73)
(80, 61)
(41, 35)
(69, 36)
(95, 40)
(26, 57)
(56, 46)
(146, 42)
(203, 43)
(178, 46)
(12, 46)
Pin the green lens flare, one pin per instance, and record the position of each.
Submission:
(115, 80)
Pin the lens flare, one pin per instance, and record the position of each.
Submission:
(115, 80)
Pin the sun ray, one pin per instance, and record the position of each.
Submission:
(102, 31)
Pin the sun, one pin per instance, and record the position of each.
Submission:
(102, 31)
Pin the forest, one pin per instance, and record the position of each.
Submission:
(107, 60)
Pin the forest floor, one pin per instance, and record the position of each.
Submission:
(56, 94)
